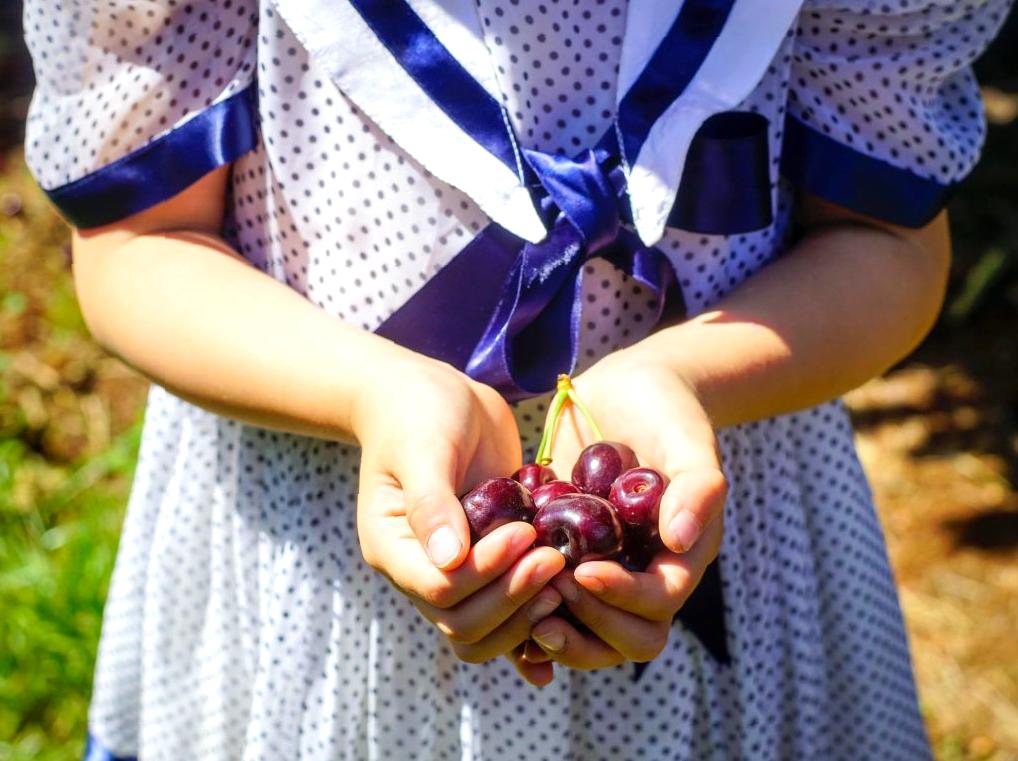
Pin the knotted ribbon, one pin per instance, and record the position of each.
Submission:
(533, 334)
(508, 312)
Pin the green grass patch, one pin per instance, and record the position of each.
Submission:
(56, 556)
(69, 433)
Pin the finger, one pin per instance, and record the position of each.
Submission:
(688, 568)
(663, 588)
(533, 653)
(565, 645)
(480, 614)
(433, 511)
(537, 674)
(403, 560)
(655, 595)
(510, 634)
(693, 500)
(687, 452)
(634, 637)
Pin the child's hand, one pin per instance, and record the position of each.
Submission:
(427, 431)
(656, 412)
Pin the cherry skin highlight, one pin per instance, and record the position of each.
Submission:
(545, 493)
(494, 503)
(600, 464)
(636, 495)
(533, 475)
(580, 526)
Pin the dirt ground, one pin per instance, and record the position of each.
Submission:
(942, 466)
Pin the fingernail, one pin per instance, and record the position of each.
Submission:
(542, 607)
(552, 641)
(684, 529)
(443, 546)
(590, 583)
(567, 588)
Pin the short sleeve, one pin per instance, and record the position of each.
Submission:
(135, 101)
(885, 115)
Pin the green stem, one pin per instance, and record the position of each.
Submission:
(554, 412)
(598, 436)
(565, 393)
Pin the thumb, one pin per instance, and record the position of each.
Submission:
(433, 511)
(695, 496)
(694, 499)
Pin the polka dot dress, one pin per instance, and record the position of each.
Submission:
(242, 622)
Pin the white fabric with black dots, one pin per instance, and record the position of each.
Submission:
(242, 622)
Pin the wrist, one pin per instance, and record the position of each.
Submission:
(384, 373)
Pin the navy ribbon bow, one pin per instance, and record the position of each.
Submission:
(534, 330)
(508, 311)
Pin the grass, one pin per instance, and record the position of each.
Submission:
(55, 562)
(69, 430)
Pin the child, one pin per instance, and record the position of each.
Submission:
(354, 241)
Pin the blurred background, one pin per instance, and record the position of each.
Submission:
(938, 434)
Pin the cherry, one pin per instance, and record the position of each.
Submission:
(533, 475)
(636, 495)
(580, 526)
(494, 503)
(600, 464)
(545, 493)
(636, 554)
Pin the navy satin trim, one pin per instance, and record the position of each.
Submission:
(819, 164)
(450, 86)
(96, 751)
(680, 55)
(162, 168)
(726, 182)
(446, 318)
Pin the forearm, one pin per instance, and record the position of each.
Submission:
(845, 304)
(194, 317)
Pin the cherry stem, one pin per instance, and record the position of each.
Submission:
(543, 456)
(564, 393)
(586, 414)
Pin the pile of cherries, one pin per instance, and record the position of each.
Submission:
(608, 511)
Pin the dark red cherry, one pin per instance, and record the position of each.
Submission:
(580, 526)
(636, 495)
(494, 503)
(636, 554)
(533, 475)
(552, 490)
(600, 464)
